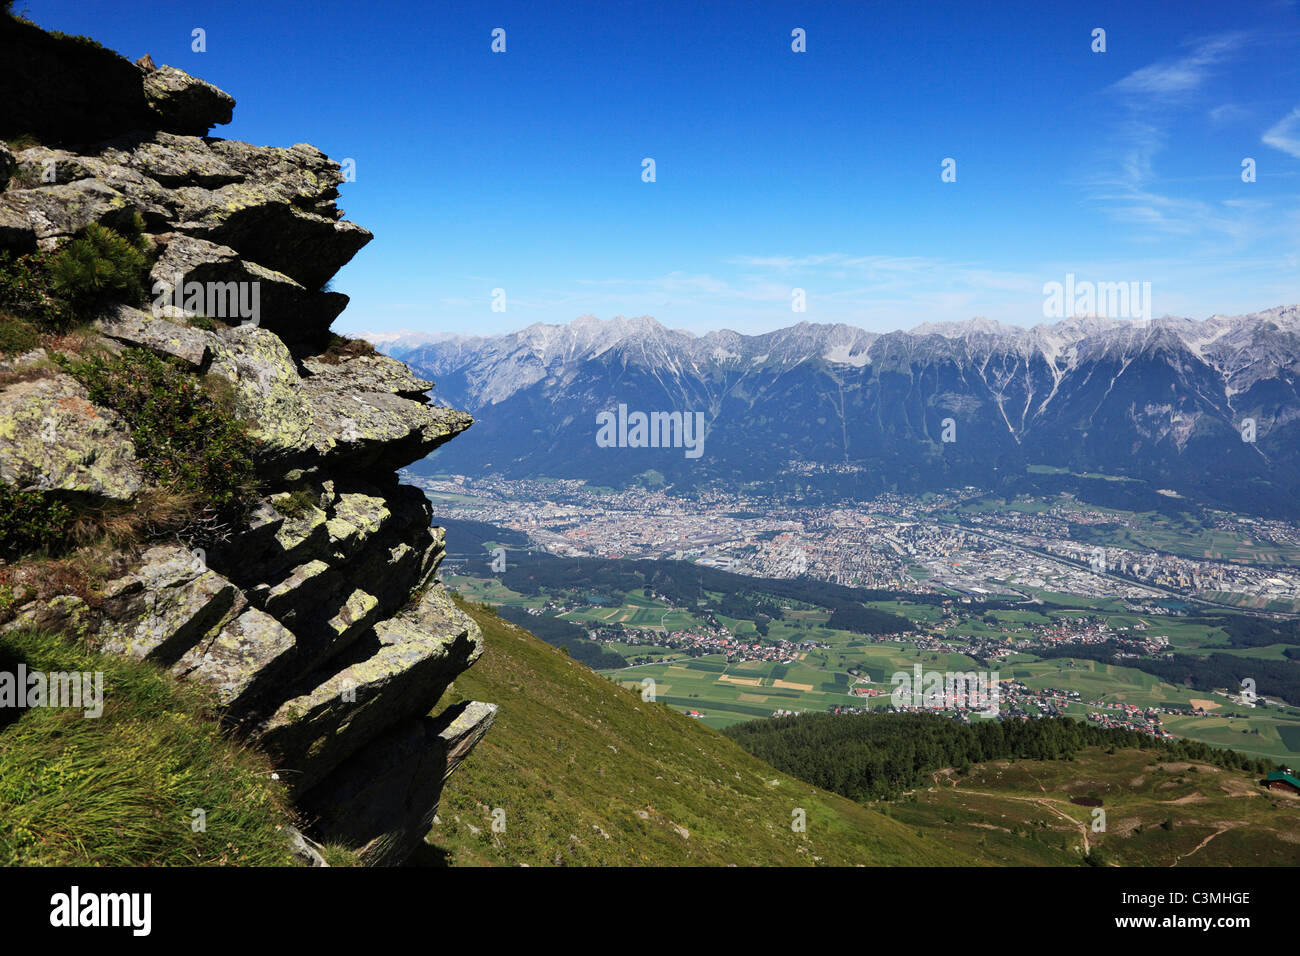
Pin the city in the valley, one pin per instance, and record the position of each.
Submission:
(1159, 622)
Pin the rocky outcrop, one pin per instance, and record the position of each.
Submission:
(394, 787)
(318, 623)
(133, 327)
(219, 212)
(67, 90)
(7, 165)
(285, 305)
(184, 104)
(52, 438)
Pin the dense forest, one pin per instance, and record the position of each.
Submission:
(470, 539)
(1272, 678)
(875, 756)
(686, 584)
(867, 620)
(1139, 496)
(1246, 631)
(747, 607)
(696, 586)
(681, 582)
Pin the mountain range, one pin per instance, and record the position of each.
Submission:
(1203, 409)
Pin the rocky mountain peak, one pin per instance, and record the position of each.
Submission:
(1147, 399)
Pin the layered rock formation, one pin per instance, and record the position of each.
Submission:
(318, 623)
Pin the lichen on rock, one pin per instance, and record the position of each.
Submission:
(53, 438)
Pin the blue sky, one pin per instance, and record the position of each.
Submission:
(775, 170)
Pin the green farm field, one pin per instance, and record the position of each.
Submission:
(819, 680)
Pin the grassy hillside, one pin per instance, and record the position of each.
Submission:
(1158, 812)
(584, 772)
(121, 789)
(587, 773)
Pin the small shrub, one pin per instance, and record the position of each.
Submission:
(221, 391)
(101, 266)
(31, 521)
(295, 504)
(17, 335)
(26, 289)
(183, 438)
(1097, 857)
(82, 573)
(22, 141)
(341, 348)
(336, 854)
(52, 290)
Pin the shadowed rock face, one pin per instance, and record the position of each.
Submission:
(86, 92)
(394, 787)
(318, 625)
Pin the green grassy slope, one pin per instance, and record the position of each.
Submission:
(584, 772)
(121, 789)
(587, 773)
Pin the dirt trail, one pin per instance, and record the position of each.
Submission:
(1044, 802)
(1223, 828)
(1050, 805)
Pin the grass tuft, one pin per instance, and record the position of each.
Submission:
(340, 348)
(121, 789)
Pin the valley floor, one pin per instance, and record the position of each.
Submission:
(580, 771)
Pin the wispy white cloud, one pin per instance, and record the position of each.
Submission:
(1228, 113)
(884, 272)
(1285, 134)
(1154, 101)
(1184, 74)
